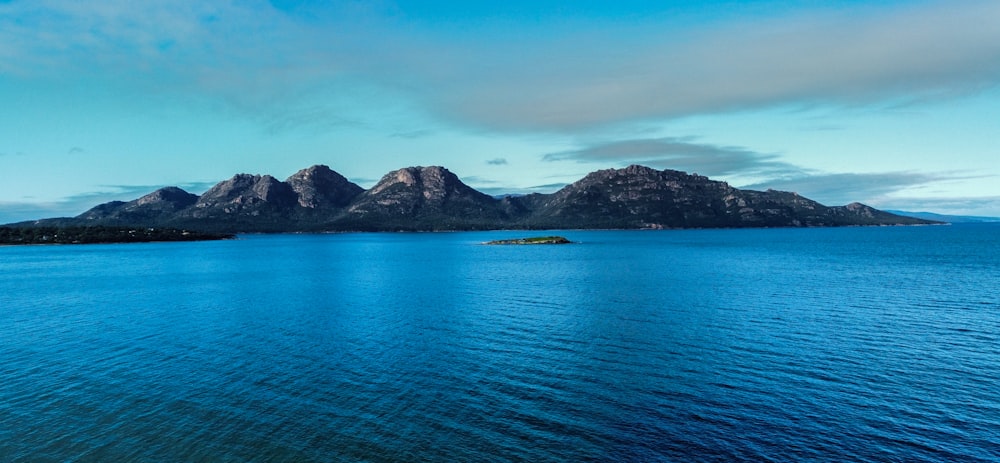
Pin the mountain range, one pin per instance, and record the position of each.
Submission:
(433, 198)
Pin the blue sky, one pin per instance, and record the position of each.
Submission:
(894, 103)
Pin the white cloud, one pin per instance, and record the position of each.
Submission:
(16, 211)
(982, 205)
(258, 58)
(935, 50)
(681, 153)
(842, 188)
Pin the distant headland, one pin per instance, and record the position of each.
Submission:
(100, 234)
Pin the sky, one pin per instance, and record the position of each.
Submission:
(895, 104)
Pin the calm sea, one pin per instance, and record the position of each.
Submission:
(782, 345)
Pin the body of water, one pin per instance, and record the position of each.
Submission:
(782, 345)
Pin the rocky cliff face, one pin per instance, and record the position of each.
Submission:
(423, 198)
(639, 197)
(320, 188)
(433, 198)
(246, 195)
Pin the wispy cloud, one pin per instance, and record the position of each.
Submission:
(256, 57)
(411, 135)
(477, 180)
(982, 205)
(135, 191)
(843, 188)
(499, 191)
(364, 182)
(317, 119)
(497, 188)
(681, 153)
(15, 211)
(548, 187)
(908, 52)
(497, 162)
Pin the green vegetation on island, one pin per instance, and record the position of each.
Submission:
(101, 234)
(535, 240)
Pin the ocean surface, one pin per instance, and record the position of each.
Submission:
(765, 345)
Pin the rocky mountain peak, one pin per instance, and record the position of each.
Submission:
(421, 192)
(321, 187)
(439, 182)
(861, 210)
(407, 177)
(269, 189)
(245, 194)
(434, 183)
(431, 178)
(636, 181)
(246, 188)
(171, 194)
(227, 190)
(636, 169)
(163, 201)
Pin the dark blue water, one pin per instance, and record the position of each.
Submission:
(851, 344)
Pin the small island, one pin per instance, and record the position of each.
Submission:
(535, 240)
(101, 234)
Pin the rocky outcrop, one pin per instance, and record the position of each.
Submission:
(423, 198)
(639, 197)
(249, 203)
(244, 194)
(433, 198)
(320, 188)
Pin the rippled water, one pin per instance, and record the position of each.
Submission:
(853, 344)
